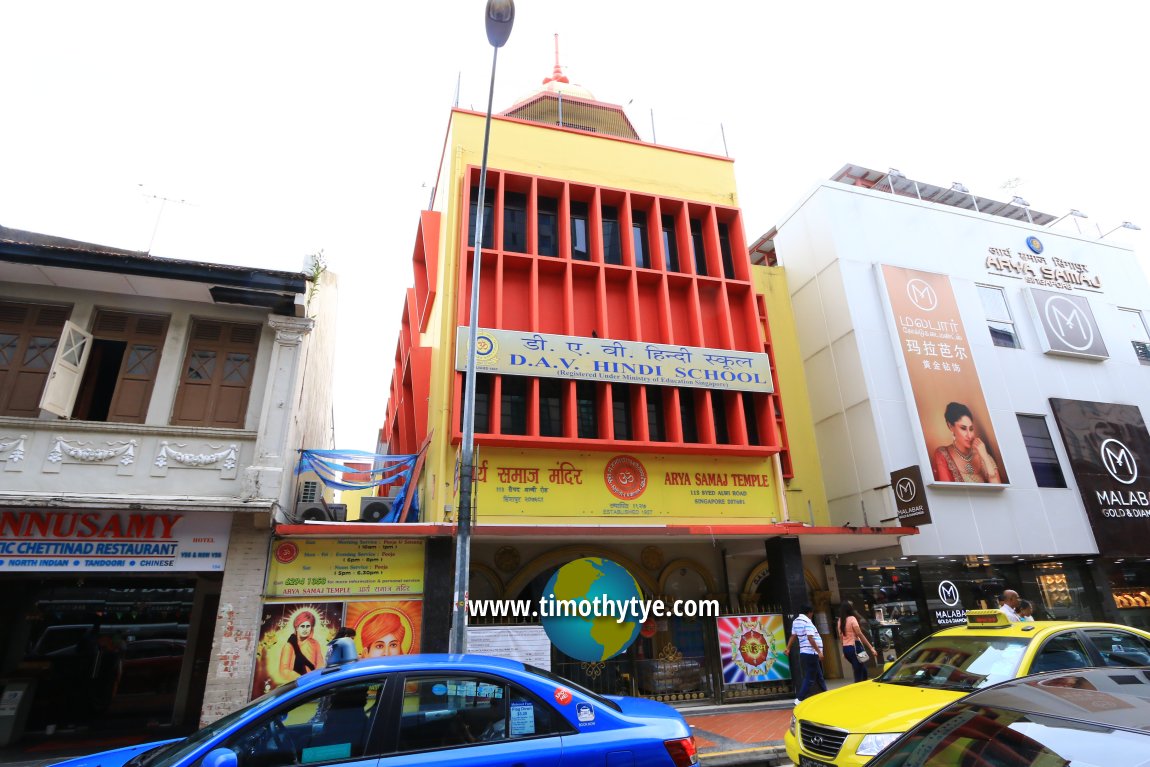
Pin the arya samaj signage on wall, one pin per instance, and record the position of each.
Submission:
(136, 541)
(1035, 267)
(620, 487)
(514, 352)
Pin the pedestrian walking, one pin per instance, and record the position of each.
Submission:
(803, 632)
(854, 639)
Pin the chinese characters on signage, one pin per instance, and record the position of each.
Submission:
(944, 384)
(598, 359)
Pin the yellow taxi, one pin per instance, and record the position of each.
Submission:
(851, 724)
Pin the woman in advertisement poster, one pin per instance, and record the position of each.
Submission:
(301, 652)
(966, 458)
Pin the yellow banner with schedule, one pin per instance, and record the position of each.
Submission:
(316, 568)
(624, 488)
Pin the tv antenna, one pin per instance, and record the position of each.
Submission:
(163, 201)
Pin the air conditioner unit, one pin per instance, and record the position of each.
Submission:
(314, 511)
(374, 508)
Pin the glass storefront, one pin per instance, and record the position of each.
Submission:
(1130, 587)
(105, 652)
(906, 601)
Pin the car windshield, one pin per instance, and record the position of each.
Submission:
(958, 662)
(172, 752)
(984, 735)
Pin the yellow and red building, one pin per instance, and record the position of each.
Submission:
(640, 395)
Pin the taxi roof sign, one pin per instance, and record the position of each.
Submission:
(987, 618)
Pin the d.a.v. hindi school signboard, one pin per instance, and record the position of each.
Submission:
(514, 352)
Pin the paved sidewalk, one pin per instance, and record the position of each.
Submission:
(744, 734)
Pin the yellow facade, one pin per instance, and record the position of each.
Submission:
(602, 161)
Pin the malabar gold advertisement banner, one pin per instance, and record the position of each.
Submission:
(1109, 451)
(944, 383)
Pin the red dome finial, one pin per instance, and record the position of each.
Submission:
(557, 75)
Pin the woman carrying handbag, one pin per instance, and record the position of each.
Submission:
(855, 644)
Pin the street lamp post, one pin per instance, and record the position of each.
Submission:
(499, 17)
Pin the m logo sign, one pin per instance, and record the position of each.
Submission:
(952, 612)
(922, 295)
(905, 489)
(1119, 461)
(909, 500)
(1071, 326)
(1067, 323)
(948, 593)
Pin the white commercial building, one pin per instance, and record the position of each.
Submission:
(909, 297)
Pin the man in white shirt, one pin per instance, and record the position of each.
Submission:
(1010, 600)
(810, 652)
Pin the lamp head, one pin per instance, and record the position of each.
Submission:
(1123, 225)
(1019, 202)
(959, 187)
(499, 17)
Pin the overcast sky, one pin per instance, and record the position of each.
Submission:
(278, 129)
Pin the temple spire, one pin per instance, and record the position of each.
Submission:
(557, 75)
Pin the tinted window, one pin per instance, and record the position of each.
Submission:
(580, 250)
(1120, 648)
(446, 711)
(515, 222)
(1060, 652)
(1040, 449)
(612, 249)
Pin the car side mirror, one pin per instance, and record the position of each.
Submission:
(887, 665)
(220, 757)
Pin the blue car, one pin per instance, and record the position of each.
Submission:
(427, 709)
